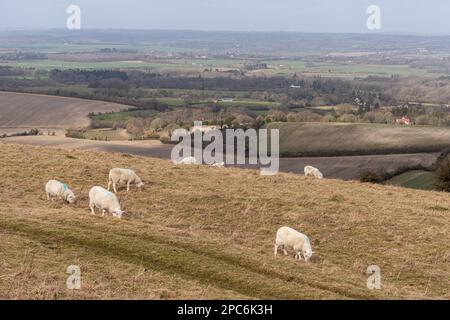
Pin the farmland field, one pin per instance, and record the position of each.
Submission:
(345, 168)
(19, 110)
(107, 134)
(174, 64)
(347, 138)
(415, 179)
(342, 70)
(282, 67)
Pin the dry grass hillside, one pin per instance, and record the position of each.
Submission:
(202, 232)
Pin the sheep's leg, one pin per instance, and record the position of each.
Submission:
(128, 186)
(276, 250)
(284, 251)
(109, 185)
(103, 213)
(48, 196)
(92, 209)
(114, 187)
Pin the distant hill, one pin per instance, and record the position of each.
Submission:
(325, 139)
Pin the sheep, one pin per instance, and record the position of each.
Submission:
(313, 172)
(104, 200)
(218, 164)
(288, 237)
(120, 176)
(59, 190)
(188, 160)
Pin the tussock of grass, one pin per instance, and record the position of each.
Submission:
(202, 232)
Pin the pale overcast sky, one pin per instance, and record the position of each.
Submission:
(398, 16)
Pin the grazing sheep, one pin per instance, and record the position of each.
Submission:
(218, 164)
(290, 238)
(123, 176)
(313, 172)
(104, 200)
(188, 160)
(56, 189)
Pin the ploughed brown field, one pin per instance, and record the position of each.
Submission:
(204, 232)
(346, 168)
(23, 110)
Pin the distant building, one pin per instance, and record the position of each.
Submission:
(204, 129)
(226, 100)
(404, 120)
(255, 66)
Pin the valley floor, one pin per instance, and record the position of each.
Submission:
(346, 167)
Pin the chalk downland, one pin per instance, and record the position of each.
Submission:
(199, 232)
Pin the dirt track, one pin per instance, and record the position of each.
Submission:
(23, 110)
(332, 167)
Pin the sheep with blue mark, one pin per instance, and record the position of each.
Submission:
(59, 190)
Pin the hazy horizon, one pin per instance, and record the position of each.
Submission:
(414, 17)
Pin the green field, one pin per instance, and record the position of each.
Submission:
(107, 134)
(278, 67)
(341, 70)
(416, 179)
(124, 115)
(169, 64)
(358, 138)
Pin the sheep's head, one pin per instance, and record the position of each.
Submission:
(140, 185)
(307, 254)
(118, 213)
(71, 198)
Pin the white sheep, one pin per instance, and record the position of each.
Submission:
(290, 238)
(56, 189)
(104, 200)
(313, 172)
(218, 164)
(188, 160)
(119, 176)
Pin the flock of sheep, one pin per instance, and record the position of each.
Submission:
(106, 201)
(98, 196)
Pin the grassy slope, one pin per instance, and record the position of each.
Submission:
(338, 138)
(415, 179)
(202, 232)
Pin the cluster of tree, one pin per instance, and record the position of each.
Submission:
(17, 56)
(31, 132)
(91, 77)
(441, 170)
(10, 71)
(331, 91)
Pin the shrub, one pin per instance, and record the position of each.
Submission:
(442, 171)
(157, 124)
(371, 176)
(74, 133)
